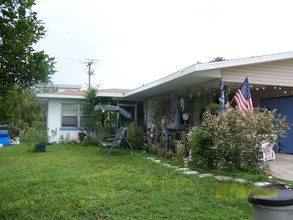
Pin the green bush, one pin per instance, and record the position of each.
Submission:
(232, 140)
(135, 136)
(201, 144)
(36, 134)
(213, 108)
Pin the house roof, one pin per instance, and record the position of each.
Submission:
(81, 94)
(196, 74)
(43, 98)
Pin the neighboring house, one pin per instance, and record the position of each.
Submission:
(65, 115)
(190, 89)
(67, 88)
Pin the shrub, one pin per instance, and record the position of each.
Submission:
(36, 134)
(135, 136)
(233, 140)
(180, 149)
(201, 144)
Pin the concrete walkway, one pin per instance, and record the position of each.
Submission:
(283, 166)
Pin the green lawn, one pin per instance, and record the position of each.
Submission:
(74, 182)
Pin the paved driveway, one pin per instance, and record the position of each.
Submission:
(283, 166)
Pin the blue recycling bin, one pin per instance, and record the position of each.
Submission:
(4, 140)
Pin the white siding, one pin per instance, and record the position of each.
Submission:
(274, 73)
(54, 120)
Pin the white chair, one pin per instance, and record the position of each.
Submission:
(268, 152)
(15, 142)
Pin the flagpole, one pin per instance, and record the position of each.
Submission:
(231, 102)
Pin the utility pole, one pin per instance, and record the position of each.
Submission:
(90, 72)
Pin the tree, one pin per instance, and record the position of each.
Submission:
(20, 65)
(21, 108)
(217, 59)
(98, 121)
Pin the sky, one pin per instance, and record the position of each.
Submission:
(135, 42)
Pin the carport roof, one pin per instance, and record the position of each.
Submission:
(198, 74)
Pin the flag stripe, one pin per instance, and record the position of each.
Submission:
(243, 97)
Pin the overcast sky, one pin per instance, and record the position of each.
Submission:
(135, 42)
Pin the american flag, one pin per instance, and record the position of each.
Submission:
(243, 97)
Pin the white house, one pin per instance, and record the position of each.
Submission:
(65, 114)
(270, 77)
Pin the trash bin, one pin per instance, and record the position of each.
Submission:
(4, 138)
(272, 202)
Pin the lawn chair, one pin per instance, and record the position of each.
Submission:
(111, 142)
(15, 141)
(268, 152)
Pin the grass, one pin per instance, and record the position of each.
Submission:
(74, 182)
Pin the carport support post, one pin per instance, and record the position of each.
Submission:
(222, 97)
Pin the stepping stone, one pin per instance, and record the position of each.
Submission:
(240, 180)
(183, 169)
(190, 172)
(150, 158)
(262, 183)
(205, 175)
(167, 165)
(223, 178)
(175, 167)
(157, 161)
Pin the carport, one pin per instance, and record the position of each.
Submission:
(270, 78)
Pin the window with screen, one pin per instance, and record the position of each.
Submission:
(69, 115)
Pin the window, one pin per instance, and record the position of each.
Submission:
(83, 117)
(73, 115)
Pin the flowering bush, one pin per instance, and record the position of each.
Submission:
(233, 140)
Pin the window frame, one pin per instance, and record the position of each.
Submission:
(79, 114)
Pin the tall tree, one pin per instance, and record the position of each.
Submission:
(20, 65)
(22, 108)
(217, 59)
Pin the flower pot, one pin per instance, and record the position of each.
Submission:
(168, 156)
(41, 147)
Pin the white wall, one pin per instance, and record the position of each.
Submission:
(54, 121)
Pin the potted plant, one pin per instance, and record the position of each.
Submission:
(168, 154)
(36, 137)
(81, 136)
(154, 149)
(146, 148)
(213, 108)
